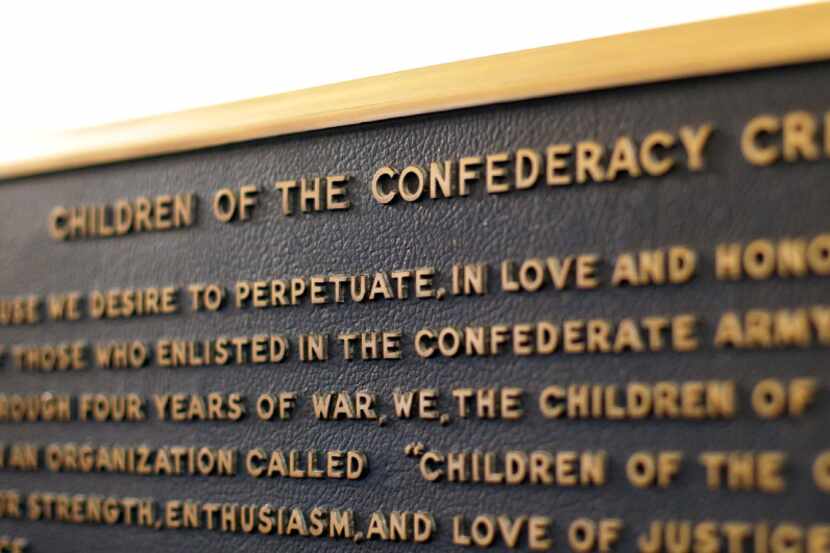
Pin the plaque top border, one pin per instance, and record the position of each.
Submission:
(730, 44)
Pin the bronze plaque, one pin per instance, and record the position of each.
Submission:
(588, 319)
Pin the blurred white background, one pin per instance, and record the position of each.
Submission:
(80, 63)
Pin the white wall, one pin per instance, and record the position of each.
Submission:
(70, 64)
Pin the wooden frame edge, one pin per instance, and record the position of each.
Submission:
(764, 39)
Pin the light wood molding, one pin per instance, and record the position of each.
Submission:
(764, 39)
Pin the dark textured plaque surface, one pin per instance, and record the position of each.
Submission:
(730, 200)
